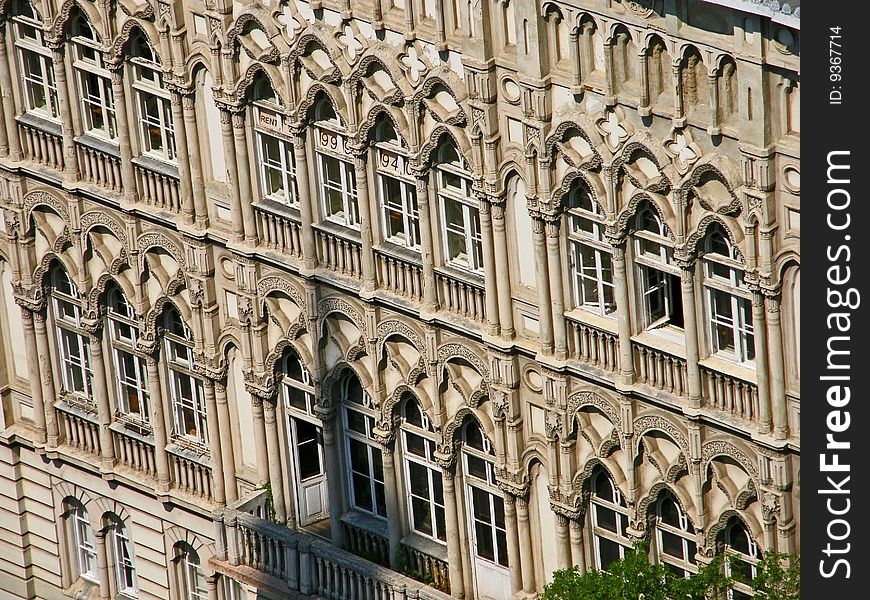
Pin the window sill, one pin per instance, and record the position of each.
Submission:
(453, 272)
(279, 209)
(669, 340)
(366, 522)
(132, 428)
(730, 368)
(37, 121)
(587, 317)
(425, 545)
(156, 165)
(190, 451)
(403, 252)
(341, 231)
(99, 144)
(77, 405)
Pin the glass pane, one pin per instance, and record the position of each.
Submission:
(415, 444)
(418, 479)
(422, 515)
(362, 492)
(483, 537)
(606, 518)
(480, 504)
(356, 421)
(672, 544)
(476, 467)
(308, 450)
(608, 552)
(380, 498)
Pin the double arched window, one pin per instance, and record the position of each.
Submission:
(364, 461)
(186, 390)
(609, 521)
(73, 343)
(34, 58)
(460, 218)
(274, 145)
(335, 166)
(658, 276)
(131, 375)
(94, 81)
(729, 302)
(152, 100)
(396, 185)
(589, 256)
(424, 486)
(675, 537)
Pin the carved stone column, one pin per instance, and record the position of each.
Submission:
(391, 496)
(489, 280)
(526, 553)
(232, 175)
(623, 312)
(306, 211)
(102, 563)
(578, 555)
(211, 586)
(243, 166)
(158, 424)
(260, 439)
(128, 175)
(679, 110)
(557, 294)
(644, 108)
(200, 203)
(332, 454)
(762, 371)
(576, 67)
(45, 371)
(563, 539)
(215, 443)
(690, 326)
(276, 477)
(9, 141)
(513, 543)
(777, 367)
(30, 349)
(104, 409)
(70, 162)
(502, 269)
(451, 525)
(713, 82)
(226, 427)
(365, 221)
(430, 292)
(542, 282)
(182, 157)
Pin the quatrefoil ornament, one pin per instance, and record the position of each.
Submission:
(612, 130)
(684, 152)
(413, 63)
(350, 43)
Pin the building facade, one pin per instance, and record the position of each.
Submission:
(394, 298)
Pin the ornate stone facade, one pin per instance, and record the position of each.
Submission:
(291, 288)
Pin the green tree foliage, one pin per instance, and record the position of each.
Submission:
(634, 578)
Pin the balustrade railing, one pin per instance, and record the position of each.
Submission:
(460, 296)
(79, 427)
(303, 563)
(278, 232)
(189, 474)
(99, 166)
(730, 394)
(338, 254)
(399, 276)
(425, 567)
(42, 145)
(367, 544)
(156, 187)
(659, 369)
(593, 346)
(134, 450)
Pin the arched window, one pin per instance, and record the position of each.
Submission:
(675, 537)
(131, 376)
(484, 499)
(34, 58)
(460, 219)
(191, 579)
(589, 254)
(274, 144)
(73, 343)
(94, 81)
(424, 487)
(188, 398)
(400, 217)
(83, 544)
(609, 521)
(305, 435)
(744, 556)
(364, 462)
(122, 554)
(659, 277)
(729, 302)
(152, 100)
(336, 167)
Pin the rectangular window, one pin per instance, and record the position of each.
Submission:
(125, 570)
(194, 580)
(85, 545)
(731, 325)
(337, 179)
(158, 133)
(463, 242)
(188, 407)
(98, 104)
(424, 487)
(277, 169)
(662, 298)
(400, 215)
(365, 464)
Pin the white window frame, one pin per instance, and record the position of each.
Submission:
(426, 461)
(270, 125)
(393, 167)
(462, 196)
(741, 590)
(660, 266)
(586, 230)
(124, 352)
(27, 45)
(488, 485)
(179, 362)
(739, 302)
(685, 532)
(73, 342)
(192, 577)
(88, 60)
(125, 562)
(147, 77)
(84, 544)
(372, 448)
(609, 500)
(330, 144)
